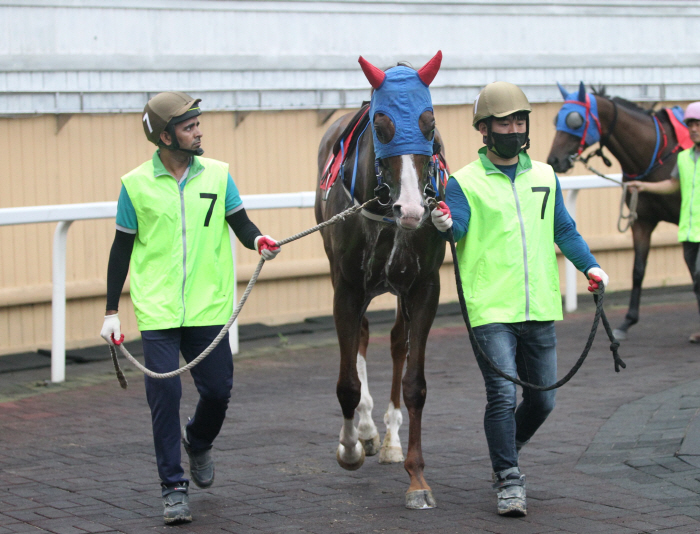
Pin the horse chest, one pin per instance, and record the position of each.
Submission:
(392, 264)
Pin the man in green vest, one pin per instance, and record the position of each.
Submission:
(684, 176)
(506, 213)
(172, 233)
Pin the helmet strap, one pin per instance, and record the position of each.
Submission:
(174, 146)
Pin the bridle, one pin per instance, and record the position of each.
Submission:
(437, 174)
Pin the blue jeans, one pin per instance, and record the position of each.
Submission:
(213, 378)
(528, 349)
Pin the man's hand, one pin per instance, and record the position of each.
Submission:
(112, 330)
(596, 275)
(267, 247)
(442, 217)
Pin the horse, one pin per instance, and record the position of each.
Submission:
(644, 142)
(391, 246)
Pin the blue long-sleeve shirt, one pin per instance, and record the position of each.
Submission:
(566, 236)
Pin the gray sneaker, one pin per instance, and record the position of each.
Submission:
(201, 463)
(510, 486)
(176, 505)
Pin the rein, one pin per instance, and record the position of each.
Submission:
(655, 163)
(599, 314)
(113, 351)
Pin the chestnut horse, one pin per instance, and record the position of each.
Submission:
(390, 247)
(630, 133)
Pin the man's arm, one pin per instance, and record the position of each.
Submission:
(568, 239)
(664, 187)
(243, 227)
(118, 268)
(459, 209)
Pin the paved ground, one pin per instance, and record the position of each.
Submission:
(621, 452)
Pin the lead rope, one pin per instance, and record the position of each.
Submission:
(631, 215)
(599, 313)
(253, 279)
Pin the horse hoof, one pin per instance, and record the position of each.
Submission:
(390, 455)
(620, 335)
(420, 500)
(371, 445)
(353, 461)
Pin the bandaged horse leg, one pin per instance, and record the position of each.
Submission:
(391, 451)
(366, 429)
(347, 311)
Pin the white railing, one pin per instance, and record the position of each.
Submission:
(66, 214)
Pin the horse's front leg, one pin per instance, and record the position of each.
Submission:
(641, 234)
(421, 306)
(347, 312)
(391, 451)
(366, 429)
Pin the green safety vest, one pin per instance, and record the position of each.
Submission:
(689, 223)
(181, 264)
(507, 259)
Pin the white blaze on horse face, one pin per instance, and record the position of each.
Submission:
(366, 428)
(411, 198)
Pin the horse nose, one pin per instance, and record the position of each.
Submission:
(559, 165)
(409, 216)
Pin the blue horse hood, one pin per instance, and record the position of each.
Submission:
(403, 97)
(590, 117)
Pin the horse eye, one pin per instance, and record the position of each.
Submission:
(384, 128)
(426, 123)
(574, 120)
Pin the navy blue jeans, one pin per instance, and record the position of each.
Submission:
(528, 349)
(213, 377)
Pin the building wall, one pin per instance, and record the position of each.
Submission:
(56, 162)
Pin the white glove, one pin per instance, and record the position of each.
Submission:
(112, 330)
(442, 217)
(266, 247)
(595, 275)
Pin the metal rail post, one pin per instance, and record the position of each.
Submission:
(58, 305)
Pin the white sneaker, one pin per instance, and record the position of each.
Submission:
(510, 486)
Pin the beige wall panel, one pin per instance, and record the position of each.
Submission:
(269, 152)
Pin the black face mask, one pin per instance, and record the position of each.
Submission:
(507, 146)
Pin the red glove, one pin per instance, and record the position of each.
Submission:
(266, 247)
(442, 217)
(596, 275)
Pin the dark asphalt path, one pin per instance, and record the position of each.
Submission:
(79, 457)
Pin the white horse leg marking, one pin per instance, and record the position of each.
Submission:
(350, 453)
(367, 430)
(391, 446)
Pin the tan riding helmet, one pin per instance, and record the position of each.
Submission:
(499, 99)
(163, 108)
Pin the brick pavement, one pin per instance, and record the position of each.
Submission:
(78, 457)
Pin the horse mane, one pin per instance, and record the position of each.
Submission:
(600, 91)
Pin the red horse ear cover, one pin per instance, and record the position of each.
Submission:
(428, 71)
(373, 74)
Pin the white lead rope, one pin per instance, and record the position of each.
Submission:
(253, 279)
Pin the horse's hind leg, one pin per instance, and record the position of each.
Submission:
(391, 451)
(347, 312)
(641, 232)
(366, 429)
